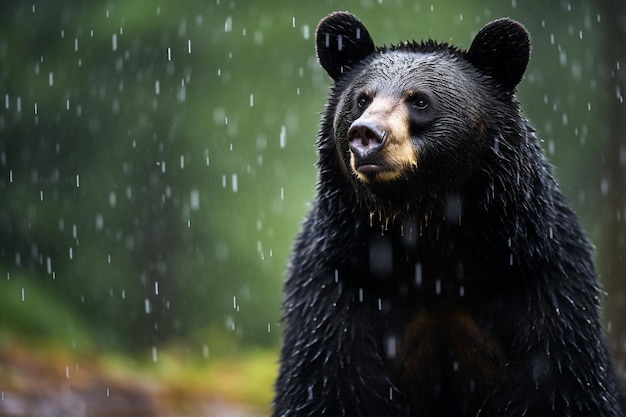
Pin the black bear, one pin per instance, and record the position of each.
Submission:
(440, 271)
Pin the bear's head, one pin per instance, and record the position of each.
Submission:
(412, 124)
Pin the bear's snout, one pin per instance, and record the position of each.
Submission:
(365, 138)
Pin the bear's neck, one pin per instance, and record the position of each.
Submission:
(491, 239)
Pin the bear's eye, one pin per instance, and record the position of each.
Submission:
(363, 101)
(417, 100)
(420, 103)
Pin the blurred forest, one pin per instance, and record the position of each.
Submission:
(157, 158)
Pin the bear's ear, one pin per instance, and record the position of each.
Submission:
(501, 49)
(342, 41)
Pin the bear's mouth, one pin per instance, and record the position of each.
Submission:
(370, 169)
(369, 164)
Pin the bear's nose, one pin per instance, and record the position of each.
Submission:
(365, 137)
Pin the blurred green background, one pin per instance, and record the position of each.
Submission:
(157, 158)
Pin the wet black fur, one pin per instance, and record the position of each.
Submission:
(484, 237)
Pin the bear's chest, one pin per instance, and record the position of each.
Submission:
(441, 358)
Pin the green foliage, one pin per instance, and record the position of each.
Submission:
(29, 312)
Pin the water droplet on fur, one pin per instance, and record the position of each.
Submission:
(380, 257)
(454, 208)
(391, 347)
(418, 274)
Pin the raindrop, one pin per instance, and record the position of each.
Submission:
(156, 288)
(114, 42)
(146, 304)
(194, 200)
(189, 46)
(234, 183)
(604, 186)
(51, 79)
(154, 354)
(228, 24)
(23, 298)
(283, 136)
(251, 100)
(169, 54)
(99, 221)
